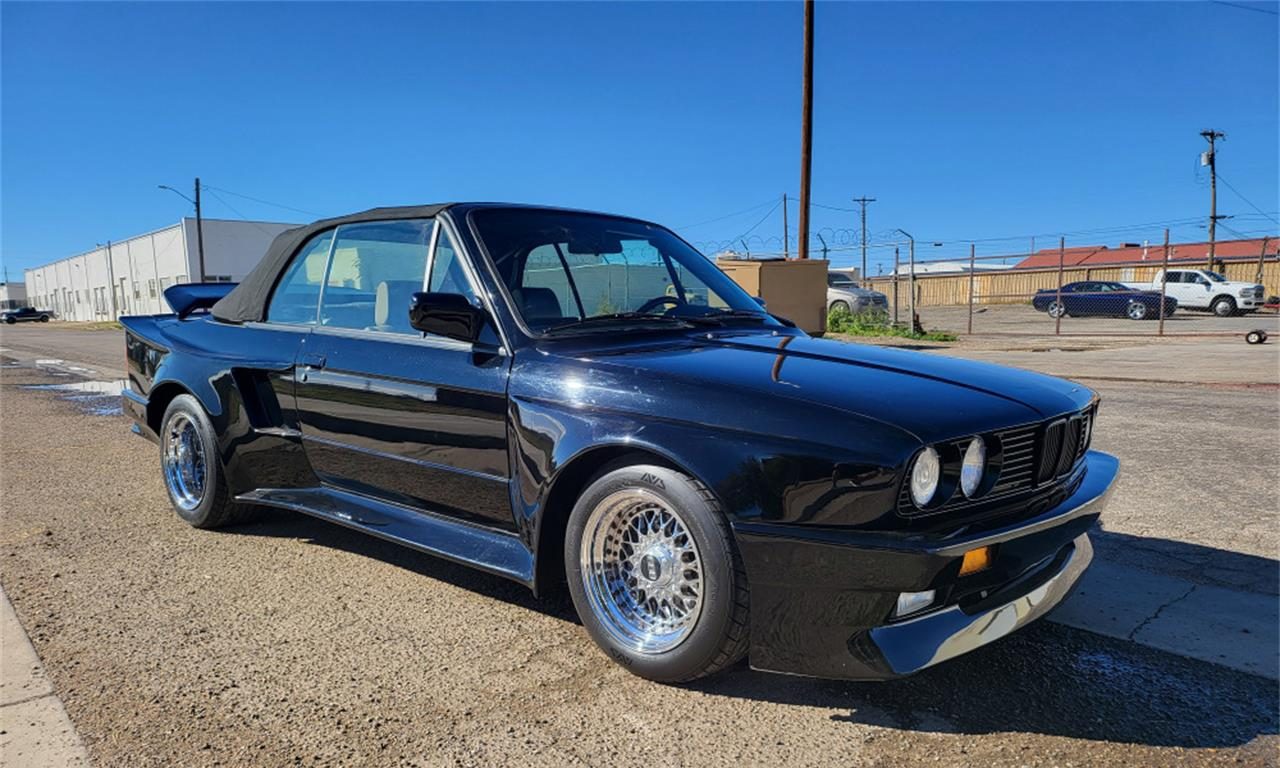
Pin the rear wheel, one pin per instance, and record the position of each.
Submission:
(1136, 311)
(1223, 306)
(655, 574)
(193, 473)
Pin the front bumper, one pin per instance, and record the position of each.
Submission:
(821, 600)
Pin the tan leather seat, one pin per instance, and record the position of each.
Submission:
(391, 305)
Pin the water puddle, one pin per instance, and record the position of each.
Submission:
(96, 398)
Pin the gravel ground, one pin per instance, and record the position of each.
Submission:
(293, 642)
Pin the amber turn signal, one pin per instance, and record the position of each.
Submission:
(976, 560)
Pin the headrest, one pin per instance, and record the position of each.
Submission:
(538, 304)
(391, 303)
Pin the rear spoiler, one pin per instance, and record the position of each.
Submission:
(187, 298)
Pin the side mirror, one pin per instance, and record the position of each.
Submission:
(451, 315)
(760, 301)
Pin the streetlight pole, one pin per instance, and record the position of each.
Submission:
(911, 280)
(111, 278)
(199, 221)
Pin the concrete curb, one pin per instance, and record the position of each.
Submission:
(35, 730)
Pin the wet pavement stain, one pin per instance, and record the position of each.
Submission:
(95, 398)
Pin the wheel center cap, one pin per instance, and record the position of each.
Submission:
(657, 565)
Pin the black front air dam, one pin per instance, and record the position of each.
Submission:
(820, 603)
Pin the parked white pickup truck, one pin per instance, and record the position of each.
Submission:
(1202, 289)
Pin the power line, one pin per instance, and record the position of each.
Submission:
(761, 221)
(1247, 200)
(726, 216)
(247, 220)
(260, 200)
(1243, 7)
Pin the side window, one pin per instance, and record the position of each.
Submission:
(1173, 277)
(377, 267)
(447, 273)
(298, 293)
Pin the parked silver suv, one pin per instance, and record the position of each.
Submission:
(844, 293)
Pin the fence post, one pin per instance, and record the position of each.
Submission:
(1062, 252)
(895, 286)
(1164, 283)
(971, 258)
(1262, 257)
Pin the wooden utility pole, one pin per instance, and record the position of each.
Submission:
(1212, 136)
(806, 131)
(1262, 257)
(786, 254)
(862, 201)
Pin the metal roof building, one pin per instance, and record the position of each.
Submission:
(129, 277)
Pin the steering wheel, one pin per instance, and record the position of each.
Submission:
(657, 301)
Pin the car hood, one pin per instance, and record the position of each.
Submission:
(932, 396)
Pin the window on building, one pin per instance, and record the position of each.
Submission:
(151, 288)
(181, 279)
(297, 296)
(137, 292)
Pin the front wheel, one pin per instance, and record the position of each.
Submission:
(1136, 311)
(1056, 309)
(840, 305)
(44, 318)
(655, 574)
(1224, 306)
(193, 473)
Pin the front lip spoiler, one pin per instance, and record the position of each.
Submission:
(916, 644)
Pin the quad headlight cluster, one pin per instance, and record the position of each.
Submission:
(935, 477)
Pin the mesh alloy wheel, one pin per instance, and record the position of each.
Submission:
(641, 571)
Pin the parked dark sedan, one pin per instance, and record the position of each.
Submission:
(530, 391)
(1102, 298)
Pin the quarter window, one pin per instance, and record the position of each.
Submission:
(298, 294)
(375, 270)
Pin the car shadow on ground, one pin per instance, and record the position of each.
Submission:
(1047, 679)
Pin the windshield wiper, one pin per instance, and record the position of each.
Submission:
(616, 316)
(719, 316)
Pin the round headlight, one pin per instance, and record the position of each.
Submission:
(973, 467)
(925, 476)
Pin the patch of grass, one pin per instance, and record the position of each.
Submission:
(877, 324)
(88, 325)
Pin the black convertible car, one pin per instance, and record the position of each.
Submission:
(557, 396)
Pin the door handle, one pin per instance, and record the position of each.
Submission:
(310, 362)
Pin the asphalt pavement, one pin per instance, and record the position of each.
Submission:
(290, 641)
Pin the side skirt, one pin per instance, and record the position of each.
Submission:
(497, 552)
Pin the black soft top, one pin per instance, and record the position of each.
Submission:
(247, 302)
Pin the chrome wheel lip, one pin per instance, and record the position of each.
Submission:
(185, 466)
(614, 551)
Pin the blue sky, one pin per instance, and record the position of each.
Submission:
(964, 120)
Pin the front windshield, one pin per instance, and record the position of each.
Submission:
(1215, 277)
(579, 270)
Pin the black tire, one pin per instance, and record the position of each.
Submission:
(838, 304)
(718, 637)
(1056, 309)
(44, 318)
(1255, 337)
(10, 320)
(216, 506)
(1136, 311)
(1223, 306)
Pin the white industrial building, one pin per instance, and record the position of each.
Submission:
(129, 277)
(12, 295)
